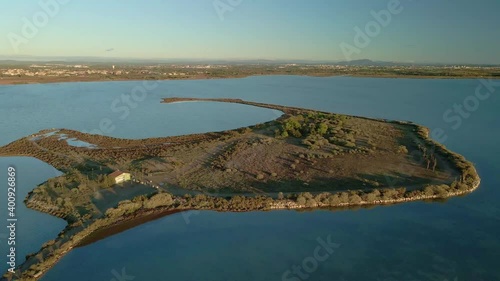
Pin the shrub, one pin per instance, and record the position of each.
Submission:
(307, 142)
(292, 123)
(344, 197)
(296, 133)
(280, 196)
(402, 149)
(322, 128)
(429, 191)
(370, 197)
(354, 199)
(301, 200)
(307, 195)
(113, 213)
(129, 207)
(159, 200)
(246, 130)
(349, 144)
(334, 200)
(311, 203)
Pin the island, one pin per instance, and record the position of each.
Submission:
(303, 160)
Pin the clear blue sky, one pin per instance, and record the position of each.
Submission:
(449, 31)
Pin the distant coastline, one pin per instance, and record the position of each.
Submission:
(56, 80)
(26, 74)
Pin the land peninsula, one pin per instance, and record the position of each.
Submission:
(305, 159)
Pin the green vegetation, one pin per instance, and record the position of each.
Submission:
(69, 196)
(402, 149)
(23, 72)
(319, 130)
(296, 157)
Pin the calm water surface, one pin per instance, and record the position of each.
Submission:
(32, 228)
(455, 240)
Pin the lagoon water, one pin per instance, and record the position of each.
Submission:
(32, 228)
(455, 240)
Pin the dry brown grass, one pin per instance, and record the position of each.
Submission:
(254, 160)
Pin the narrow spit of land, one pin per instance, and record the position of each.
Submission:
(305, 159)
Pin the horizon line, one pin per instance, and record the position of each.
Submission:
(26, 58)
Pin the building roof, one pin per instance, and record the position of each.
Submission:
(116, 174)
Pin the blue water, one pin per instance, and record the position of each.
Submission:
(101, 108)
(25, 110)
(79, 143)
(455, 240)
(32, 228)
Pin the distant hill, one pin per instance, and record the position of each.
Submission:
(26, 60)
(367, 62)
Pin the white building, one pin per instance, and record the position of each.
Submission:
(120, 176)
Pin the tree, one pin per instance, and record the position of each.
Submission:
(434, 165)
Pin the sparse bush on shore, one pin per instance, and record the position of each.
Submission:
(402, 149)
(159, 200)
(60, 196)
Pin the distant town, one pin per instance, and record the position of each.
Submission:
(13, 72)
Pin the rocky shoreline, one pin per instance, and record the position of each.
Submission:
(33, 270)
(139, 210)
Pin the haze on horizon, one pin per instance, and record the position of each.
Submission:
(444, 31)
